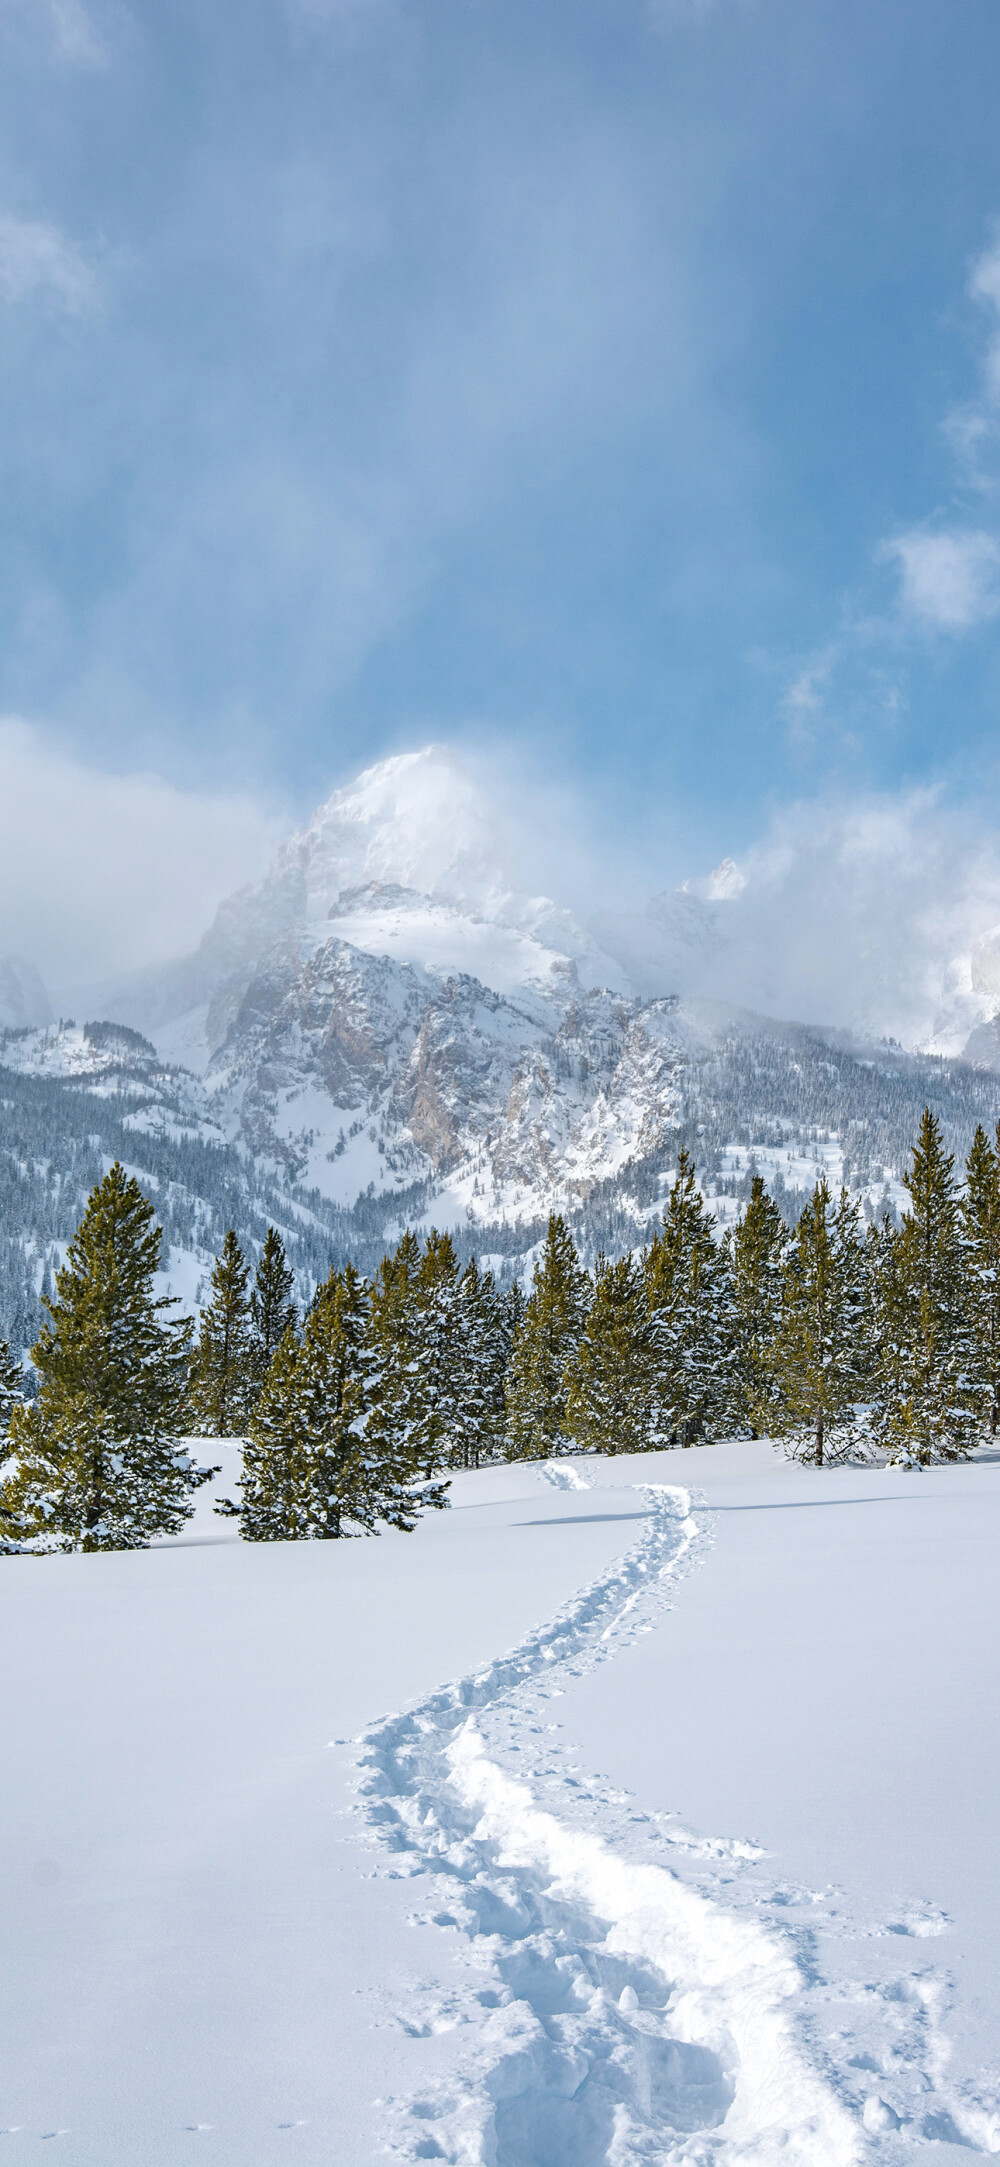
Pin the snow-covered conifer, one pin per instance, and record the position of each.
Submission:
(980, 1221)
(689, 1294)
(97, 1459)
(272, 1306)
(609, 1376)
(756, 1249)
(819, 1362)
(304, 1472)
(274, 1485)
(398, 1400)
(928, 1393)
(513, 1302)
(439, 1353)
(222, 1381)
(319, 1463)
(484, 1352)
(546, 1341)
(11, 1386)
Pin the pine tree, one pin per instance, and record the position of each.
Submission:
(302, 1464)
(928, 1393)
(11, 1386)
(317, 1464)
(512, 1310)
(756, 1250)
(689, 1293)
(483, 1352)
(98, 1464)
(439, 1354)
(272, 1307)
(275, 1483)
(398, 1413)
(819, 1359)
(513, 1303)
(222, 1383)
(609, 1376)
(553, 1321)
(980, 1221)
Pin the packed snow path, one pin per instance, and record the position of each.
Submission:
(624, 2016)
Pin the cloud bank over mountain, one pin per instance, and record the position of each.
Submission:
(103, 872)
(870, 913)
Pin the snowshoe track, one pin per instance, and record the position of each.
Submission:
(616, 2015)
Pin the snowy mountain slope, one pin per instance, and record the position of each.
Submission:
(71, 1100)
(350, 1069)
(515, 1100)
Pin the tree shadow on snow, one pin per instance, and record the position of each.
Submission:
(581, 1519)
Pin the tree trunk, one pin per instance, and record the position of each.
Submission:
(819, 1438)
(95, 1502)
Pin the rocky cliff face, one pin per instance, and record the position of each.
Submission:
(353, 1068)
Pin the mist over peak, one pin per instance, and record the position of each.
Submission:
(418, 820)
(877, 914)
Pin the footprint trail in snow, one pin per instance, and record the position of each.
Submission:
(616, 2014)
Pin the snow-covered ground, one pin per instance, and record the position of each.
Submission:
(681, 1849)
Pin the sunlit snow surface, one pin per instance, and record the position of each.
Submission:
(692, 1860)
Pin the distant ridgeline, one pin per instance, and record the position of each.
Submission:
(753, 1098)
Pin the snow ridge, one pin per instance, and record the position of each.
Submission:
(618, 2015)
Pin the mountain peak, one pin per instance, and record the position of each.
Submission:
(419, 820)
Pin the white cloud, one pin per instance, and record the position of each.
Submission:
(37, 258)
(861, 913)
(948, 570)
(948, 580)
(949, 573)
(100, 873)
(859, 910)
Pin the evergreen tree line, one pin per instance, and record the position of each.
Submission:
(832, 1339)
(836, 1341)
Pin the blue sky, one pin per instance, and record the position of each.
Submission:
(618, 379)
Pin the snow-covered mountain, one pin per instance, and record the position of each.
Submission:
(388, 1028)
(414, 862)
(410, 862)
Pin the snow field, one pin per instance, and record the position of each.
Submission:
(823, 1690)
(197, 1952)
(524, 1943)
